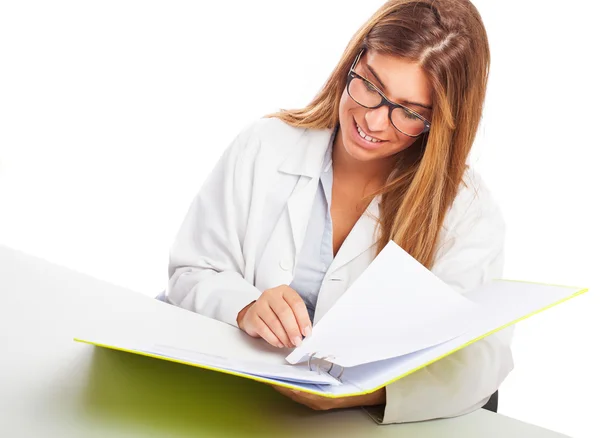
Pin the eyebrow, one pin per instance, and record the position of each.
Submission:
(384, 89)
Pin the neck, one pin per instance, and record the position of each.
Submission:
(371, 175)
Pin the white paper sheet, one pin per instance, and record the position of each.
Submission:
(396, 307)
(291, 373)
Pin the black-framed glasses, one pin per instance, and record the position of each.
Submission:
(367, 95)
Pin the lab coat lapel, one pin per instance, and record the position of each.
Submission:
(291, 199)
(348, 264)
(306, 161)
(299, 207)
(361, 238)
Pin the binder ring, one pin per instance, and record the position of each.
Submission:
(311, 357)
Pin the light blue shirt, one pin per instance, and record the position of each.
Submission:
(316, 254)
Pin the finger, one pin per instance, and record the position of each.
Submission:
(283, 390)
(287, 318)
(312, 402)
(265, 332)
(300, 311)
(268, 316)
(289, 393)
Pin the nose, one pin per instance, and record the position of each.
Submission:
(378, 119)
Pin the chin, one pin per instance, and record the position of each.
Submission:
(359, 153)
(357, 149)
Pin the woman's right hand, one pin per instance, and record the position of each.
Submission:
(279, 316)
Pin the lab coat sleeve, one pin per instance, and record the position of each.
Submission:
(206, 261)
(470, 254)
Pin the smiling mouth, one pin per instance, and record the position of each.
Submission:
(365, 136)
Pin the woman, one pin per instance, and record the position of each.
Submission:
(302, 201)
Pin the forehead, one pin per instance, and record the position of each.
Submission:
(402, 79)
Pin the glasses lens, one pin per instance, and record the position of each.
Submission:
(363, 93)
(407, 122)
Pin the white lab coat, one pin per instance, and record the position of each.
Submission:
(245, 228)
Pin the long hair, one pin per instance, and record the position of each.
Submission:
(448, 40)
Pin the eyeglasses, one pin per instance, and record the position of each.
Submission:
(367, 95)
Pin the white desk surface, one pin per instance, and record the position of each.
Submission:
(51, 386)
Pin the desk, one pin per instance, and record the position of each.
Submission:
(51, 386)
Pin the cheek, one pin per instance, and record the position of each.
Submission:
(346, 105)
(402, 142)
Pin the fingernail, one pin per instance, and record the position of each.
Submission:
(280, 345)
(307, 331)
(297, 341)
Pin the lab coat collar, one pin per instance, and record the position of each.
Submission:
(308, 154)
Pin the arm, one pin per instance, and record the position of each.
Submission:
(471, 253)
(206, 263)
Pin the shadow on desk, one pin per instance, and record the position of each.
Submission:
(170, 399)
(178, 399)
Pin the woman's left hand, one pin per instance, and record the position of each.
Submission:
(320, 403)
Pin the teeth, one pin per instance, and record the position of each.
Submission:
(365, 136)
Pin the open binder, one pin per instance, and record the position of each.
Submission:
(410, 319)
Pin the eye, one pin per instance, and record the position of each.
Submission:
(370, 86)
(410, 115)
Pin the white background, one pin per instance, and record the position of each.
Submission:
(112, 113)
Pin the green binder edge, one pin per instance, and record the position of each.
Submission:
(270, 382)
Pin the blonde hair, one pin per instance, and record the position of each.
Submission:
(448, 40)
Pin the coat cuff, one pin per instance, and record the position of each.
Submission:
(395, 404)
(389, 412)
